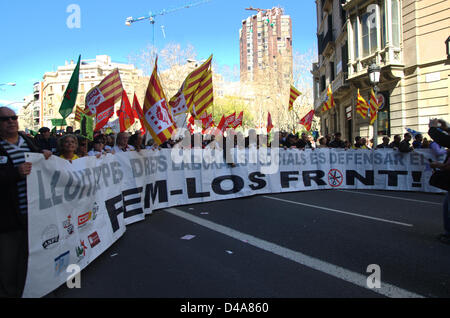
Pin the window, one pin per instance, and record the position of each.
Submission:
(355, 39)
(383, 26)
(322, 83)
(331, 71)
(395, 23)
(369, 34)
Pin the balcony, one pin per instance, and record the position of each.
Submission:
(388, 57)
(328, 43)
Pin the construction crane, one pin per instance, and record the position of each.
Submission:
(256, 9)
(152, 15)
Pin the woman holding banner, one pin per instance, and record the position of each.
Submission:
(68, 145)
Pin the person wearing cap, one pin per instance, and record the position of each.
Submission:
(45, 141)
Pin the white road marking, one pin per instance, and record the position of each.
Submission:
(357, 279)
(392, 197)
(339, 211)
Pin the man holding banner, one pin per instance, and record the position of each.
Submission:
(13, 195)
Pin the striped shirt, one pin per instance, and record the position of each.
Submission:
(17, 154)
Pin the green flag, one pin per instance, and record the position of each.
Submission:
(33, 133)
(58, 122)
(87, 127)
(70, 96)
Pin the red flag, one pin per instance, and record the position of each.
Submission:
(229, 120)
(269, 123)
(138, 113)
(207, 122)
(104, 112)
(221, 124)
(238, 121)
(307, 120)
(125, 113)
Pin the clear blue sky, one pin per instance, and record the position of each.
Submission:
(35, 38)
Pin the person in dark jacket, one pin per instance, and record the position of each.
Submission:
(45, 141)
(13, 195)
(405, 144)
(396, 143)
(337, 142)
(438, 132)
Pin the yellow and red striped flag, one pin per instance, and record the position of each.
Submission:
(203, 97)
(373, 107)
(294, 94)
(109, 88)
(78, 112)
(361, 106)
(183, 101)
(157, 117)
(329, 101)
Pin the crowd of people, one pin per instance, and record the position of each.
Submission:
(71, 146)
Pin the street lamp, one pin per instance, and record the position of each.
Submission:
(374, 72)
(9, 84)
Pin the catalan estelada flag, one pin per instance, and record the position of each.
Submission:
(109, 89)
(307, 120)
(329, 101)
(294, 94)
(158, 118)
(183, 101)
(373, 107)
(361, 106)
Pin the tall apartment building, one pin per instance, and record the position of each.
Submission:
(48, 94)
(407, 39)
(266, 47)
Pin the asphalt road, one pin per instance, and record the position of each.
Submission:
(293, 245)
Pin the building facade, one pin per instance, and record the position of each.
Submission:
(406, 38)
(48, 94)
(266, 46)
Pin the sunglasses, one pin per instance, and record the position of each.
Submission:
(8, 118)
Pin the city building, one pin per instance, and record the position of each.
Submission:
(48, 94)
(406, 39)
(266, 47)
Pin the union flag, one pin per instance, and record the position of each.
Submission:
(307, 120)
(157, 117)
(110, 88)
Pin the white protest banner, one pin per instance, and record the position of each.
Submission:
(76, 211)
